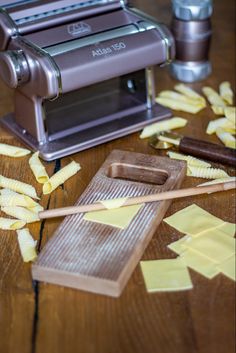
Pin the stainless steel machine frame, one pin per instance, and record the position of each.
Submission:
(82, 71)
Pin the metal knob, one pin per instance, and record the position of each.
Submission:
(14, 69)
(192, 10)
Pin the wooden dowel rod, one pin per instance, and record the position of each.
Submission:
(173, 194)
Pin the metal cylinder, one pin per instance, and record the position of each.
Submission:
(191, 27)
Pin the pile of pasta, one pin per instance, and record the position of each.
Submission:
(19, 200)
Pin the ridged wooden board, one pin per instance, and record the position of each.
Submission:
(100, 258)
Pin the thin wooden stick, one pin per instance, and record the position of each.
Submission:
(173, 194)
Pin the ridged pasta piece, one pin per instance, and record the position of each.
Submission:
(189, 159)
(215, 124)
(12, 198)
(18, 186)
(164, 125)
(230, 113)
(179, 105)
(206, 173)
(218, 110)
(60, 177)
(213, 97)
(11, 224)
(38, 169)
(189, 92)
(36, 209)
(227, 139)
(181, 97)
(226, 92)
(13, 151)
(27, 245)
(21, 213)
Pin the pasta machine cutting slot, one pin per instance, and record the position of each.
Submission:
(82, 71)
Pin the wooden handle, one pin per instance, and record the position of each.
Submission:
(173, 194)
(208, 150)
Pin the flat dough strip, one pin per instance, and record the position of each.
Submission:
(119, 217)
(177, 246)
(114, 203)
(13, 151)
(189, 92)
(213, 244)
(194, 220)
(166, 275)
(200, 264)
(226, 92)
(179, 105)
(228, 268)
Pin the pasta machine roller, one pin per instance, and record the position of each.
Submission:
(82, 71)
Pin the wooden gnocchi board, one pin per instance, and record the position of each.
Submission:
(100, 258)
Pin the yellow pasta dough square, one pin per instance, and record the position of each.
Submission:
(177, 246)
(228, 268)
(200, 263)
(119, 217)
(166, 275)
(194, 220)
(213, 244)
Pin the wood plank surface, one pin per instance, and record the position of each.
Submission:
(48, 318)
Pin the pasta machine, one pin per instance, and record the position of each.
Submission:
(82, 71)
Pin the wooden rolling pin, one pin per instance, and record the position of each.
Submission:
(173, 194)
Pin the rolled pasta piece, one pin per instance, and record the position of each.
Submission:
(60, 177)
(38, 169)
(12, 198)
(36, 209)
(13, 151)
(227, 139)
(11, 224)
(18, 186)
(226, 92)
(217, 110)
(164, 125)
(179, 105)
(215, 124)
(230, 113)
(189, 92)
(213, 97)
(181, 97)
(216, 181)
(27, 245)
(21, 213)
(206, 173)
(189, 159)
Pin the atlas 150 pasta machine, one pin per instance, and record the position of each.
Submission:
(82, 71)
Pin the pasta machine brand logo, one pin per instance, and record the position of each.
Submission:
(78, 29)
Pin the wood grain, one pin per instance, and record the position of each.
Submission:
(49, 318)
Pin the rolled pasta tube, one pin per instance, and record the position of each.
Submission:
(13, 151)
(230, 113)
(18, 186)
(179, 105)
(226, 92)
(180, 97)
(216, 181)
(217, 110)
(213, 97)
(227, 139)
(206, 173)
(27, 245)
(36, 209)
(11, 224)
(15, 199)
(164, 125)
(215, 124)
(189, 92)
(38, 169)
(21, 213)
(60, 177)
(189, 159)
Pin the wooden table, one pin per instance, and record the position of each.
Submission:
(36, 317)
